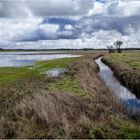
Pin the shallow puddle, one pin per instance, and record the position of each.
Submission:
(56, 72)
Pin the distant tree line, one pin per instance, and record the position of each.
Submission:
(112, 49)
(59, 49)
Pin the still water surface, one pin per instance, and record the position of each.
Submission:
(16, 59)
(129, 100)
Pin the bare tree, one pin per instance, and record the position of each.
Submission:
(110, 48)
(118, 46)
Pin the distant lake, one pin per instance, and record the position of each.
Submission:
(17, 59)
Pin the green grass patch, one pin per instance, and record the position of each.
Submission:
(68, 84)
(129, 59)
(117, 128)
(57, 63)
(10, 74)
(127, 129)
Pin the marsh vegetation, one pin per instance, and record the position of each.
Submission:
(75, 105)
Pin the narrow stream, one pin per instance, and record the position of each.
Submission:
(131, 103)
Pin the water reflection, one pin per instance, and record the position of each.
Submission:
(56, 72)
(31, 52)
(16, 59)
(127, 97)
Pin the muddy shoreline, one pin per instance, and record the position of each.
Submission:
(127, 76)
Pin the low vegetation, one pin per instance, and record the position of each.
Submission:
(10, 74)
(128, 59)
(76, 105)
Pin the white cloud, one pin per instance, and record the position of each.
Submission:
(14, 9)
(43, 8)
(96, 26)
(49, 28)
(124, 8)
(97, 8)
(13, 28)
(68, 27)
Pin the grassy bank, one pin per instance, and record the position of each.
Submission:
(128, 59)
(126, 67)
(76, 105)
(10, 74)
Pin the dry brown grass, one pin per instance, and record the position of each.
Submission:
(59, 115)
(92, 85)
(58, 110)
(43, 114)
(95, 88)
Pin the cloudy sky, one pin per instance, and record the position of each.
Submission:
(51, 24)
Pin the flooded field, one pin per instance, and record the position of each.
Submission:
(17, 59)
